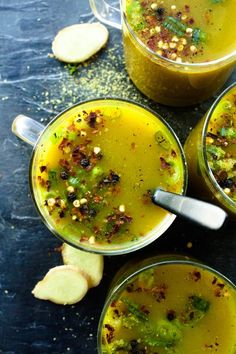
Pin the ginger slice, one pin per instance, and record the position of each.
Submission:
(63, 285)
(77, 43)
(90, 264)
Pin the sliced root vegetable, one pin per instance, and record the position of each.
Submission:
(77, 43)
(90, 264)
(63, 285)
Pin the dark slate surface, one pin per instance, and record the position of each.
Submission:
(34, 84)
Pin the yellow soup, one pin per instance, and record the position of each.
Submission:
(180, 30)
(94, 172)
(172, 309)
(211, 153)
(179, 52)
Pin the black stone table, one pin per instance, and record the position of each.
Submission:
(33, 83)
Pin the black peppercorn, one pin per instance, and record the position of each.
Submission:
(64, 175)
(84, 163)
(71, 196)
(160, 11)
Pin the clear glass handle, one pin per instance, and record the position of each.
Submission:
(106, 13)
(27, 129)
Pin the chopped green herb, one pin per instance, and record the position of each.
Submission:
(214, 152)
(72, 136)
(165, 334)
(198, 36)
(176, 26)
(74, 181)
(52, 177)
(72, 68)
(199, 303)
(134, 12)
(134, 309)
(228, 132)
(196, 309)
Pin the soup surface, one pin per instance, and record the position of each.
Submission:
(175, 308)
(188, 31)
(95, 168)
(221, 143)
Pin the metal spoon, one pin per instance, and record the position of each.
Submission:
(205, 214)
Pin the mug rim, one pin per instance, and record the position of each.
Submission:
(162, 260)
(203, 152)
(200, 65)
(104, 251)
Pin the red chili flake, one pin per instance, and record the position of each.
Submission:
(164, 163)
(208, 345)
(191, 21)
(71, 127)
(144, 309)
(218, 292)
(97, 198)
(214, 280)
(115, 221)
(173, 153)
(65, 164)
(147, 197)
(95, 131)
(221, 285)
(159, 292)
(151, 21)
(62, 214)
(110, 334)
(91, 119)
(41, 181)
(96, 230)
(48, 185)
(65, 143)
(152, 43)
(43, 168)
(187, 8)
(144, 3)
(84, 239)
(196, 275)
(130, 288)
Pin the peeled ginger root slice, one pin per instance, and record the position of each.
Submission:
(77, 43)
(63, 285)
(90, 264)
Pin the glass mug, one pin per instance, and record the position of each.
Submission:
(202, 181)
(149, 295)
(161, 79)
(39, 136)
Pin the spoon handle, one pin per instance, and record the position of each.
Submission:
(203, 213)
